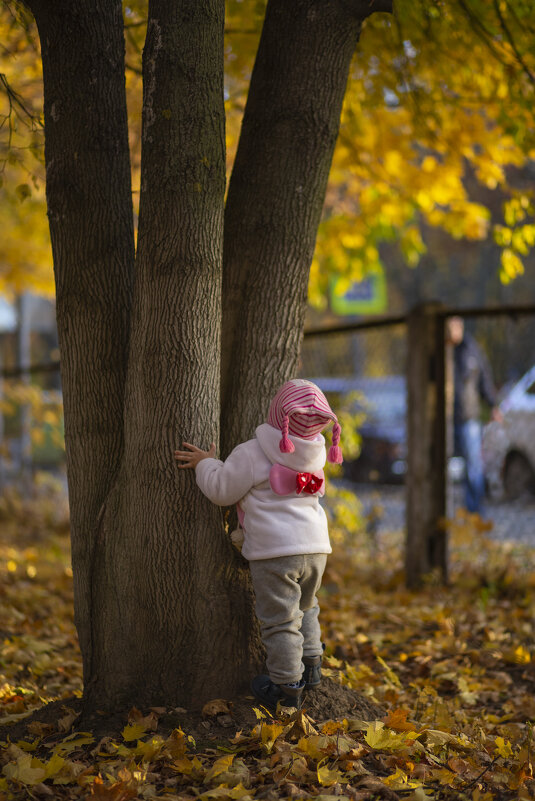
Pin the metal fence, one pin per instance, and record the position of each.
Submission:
(374, 359)
(389, 378)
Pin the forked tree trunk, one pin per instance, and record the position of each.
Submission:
(276, 195)
(164, 607)
(91, 228)
(173, 613)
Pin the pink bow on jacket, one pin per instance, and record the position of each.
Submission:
(285, 481)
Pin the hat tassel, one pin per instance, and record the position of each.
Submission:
(335, 452)
(286, 445)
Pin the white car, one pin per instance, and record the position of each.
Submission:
(509, 446)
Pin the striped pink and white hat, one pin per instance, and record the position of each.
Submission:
(301, 409)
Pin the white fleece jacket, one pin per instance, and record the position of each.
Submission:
(274, 525)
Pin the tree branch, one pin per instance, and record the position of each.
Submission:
(510, 38)
(275, 198)
(360, 9)
(16, 100)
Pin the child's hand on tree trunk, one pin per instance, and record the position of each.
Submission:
(194, 455)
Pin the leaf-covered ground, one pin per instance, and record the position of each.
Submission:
(450, 669)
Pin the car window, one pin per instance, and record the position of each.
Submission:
(382, 404)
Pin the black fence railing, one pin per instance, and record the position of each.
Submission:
(403, 366)
(399, 370)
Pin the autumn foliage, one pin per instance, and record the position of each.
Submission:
(449, 672)
(440, 98)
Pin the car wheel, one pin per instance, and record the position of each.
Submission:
(519, 478)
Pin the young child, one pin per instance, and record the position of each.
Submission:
(276, 479)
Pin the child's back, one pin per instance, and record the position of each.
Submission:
(275, 523)
(277, 482)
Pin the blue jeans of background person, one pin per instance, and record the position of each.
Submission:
(468, 435)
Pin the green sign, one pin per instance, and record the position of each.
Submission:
(368, 296)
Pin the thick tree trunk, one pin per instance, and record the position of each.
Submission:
(173, 620)
(91, 228)
(163, 604)
(275, 197)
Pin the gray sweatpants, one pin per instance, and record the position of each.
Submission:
(287, 609)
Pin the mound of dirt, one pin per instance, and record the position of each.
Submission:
(329, 701)
(332, 701)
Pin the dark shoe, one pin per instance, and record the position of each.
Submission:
(270, 694)
(312, 672)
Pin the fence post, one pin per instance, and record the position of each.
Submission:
(23, 359)
(426, 545)
(2, 426)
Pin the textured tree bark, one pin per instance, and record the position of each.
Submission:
(173, 620)
(163, 604)
(91, 228)
(275, 197)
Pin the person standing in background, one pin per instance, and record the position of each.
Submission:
(473, 382)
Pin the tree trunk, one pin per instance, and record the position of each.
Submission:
(163, 604)
(173, 617)
(275, 197)
(91, 228)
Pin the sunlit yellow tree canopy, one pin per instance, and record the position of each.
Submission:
(440, 99)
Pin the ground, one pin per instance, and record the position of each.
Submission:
(511, 520)
(426, 694)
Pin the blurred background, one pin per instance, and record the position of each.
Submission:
(430, 199)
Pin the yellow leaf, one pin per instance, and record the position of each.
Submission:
(38, 436)
(133, 732)
(269, 733)
(503, 747)
(224, 792)
(298, 725)
(353, 240)
(54, 766)
(522, 656)
(72, 742)
(238, 792)
(442, 775)
(315, 746)
(333, 726)
(149, 749)
(429, 164)
(23, 771)
(438, 739)
(220, 766)
(502, 235)
(400, 781)
(183, 765)
(176, 743)
(511, 267)
(383, 739)
(187, 766)
(328, 777)
(25, 746)
(393, 162)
